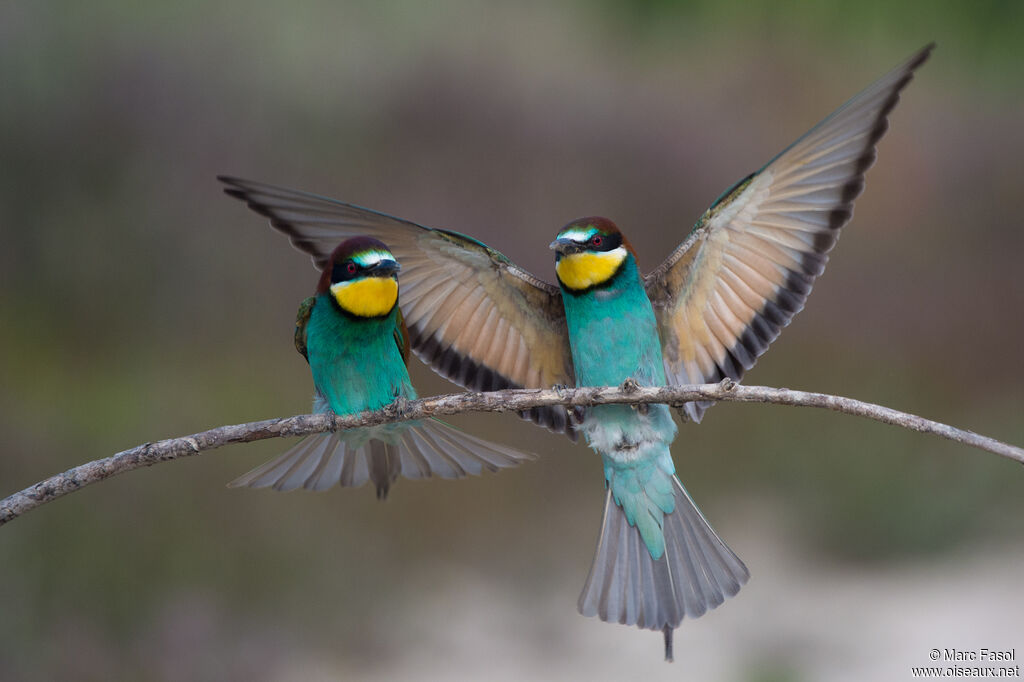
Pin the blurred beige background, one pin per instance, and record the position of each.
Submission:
(138, 303)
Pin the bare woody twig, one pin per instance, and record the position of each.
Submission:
(148, 454)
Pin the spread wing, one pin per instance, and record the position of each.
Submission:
(474, 316)
(748, 265)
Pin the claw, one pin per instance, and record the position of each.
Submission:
(630, 385)
(400, 406)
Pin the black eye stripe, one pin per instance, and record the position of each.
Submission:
(340, 272)
(608, 242)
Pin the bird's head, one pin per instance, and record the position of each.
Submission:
(589, 252)
(362, 277)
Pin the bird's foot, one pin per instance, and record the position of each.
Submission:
(630, 385)
(400, 406)
(560, 389)
(667, 631)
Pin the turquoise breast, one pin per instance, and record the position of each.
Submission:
(356, 363)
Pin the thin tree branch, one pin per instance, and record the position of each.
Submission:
(148, 454)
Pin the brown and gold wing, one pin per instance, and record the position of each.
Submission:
(748, 265)
(474, 316)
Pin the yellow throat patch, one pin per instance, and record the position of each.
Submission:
(368, 297)
(584, 270)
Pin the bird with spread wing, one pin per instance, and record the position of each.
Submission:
(706, 313)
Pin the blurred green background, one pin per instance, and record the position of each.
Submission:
(139, 303)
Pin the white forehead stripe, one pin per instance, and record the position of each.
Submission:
(578, 234)
(370, 258)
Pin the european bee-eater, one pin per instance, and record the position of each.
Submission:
(706, 313)
(353, 337)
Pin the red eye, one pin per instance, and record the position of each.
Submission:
(351, 268)
(596, 240)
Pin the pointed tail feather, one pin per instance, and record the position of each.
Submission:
(696, 573)
(318, 462)
(466, 454)
(421, 450)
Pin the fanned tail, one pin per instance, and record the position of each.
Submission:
(696, 572)
(421, 450)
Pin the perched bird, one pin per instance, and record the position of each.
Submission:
(353, 337)
(706, 313)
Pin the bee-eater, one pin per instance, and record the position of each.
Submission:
(706, 313)
(353, 337)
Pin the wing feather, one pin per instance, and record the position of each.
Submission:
(301, 322)
(474, 316)
(748, 265)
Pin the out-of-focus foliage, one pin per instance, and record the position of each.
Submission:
(138, 303)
